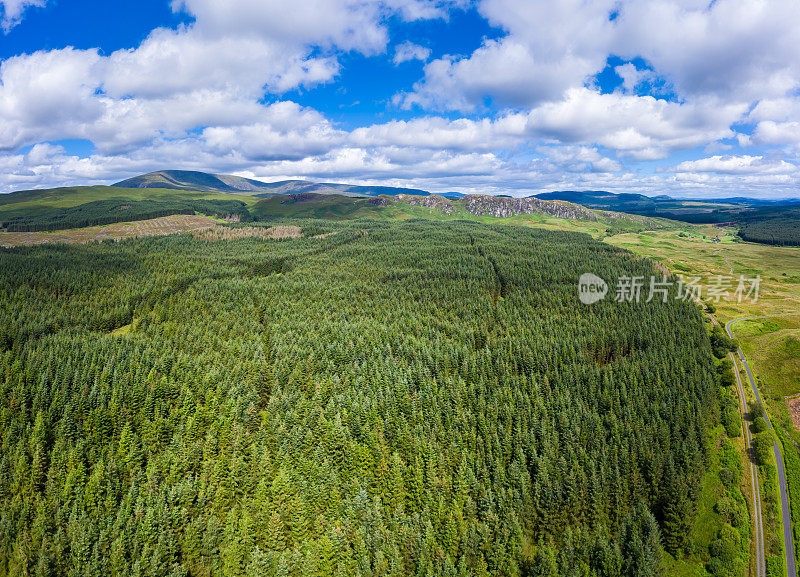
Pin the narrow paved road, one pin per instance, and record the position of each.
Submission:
(759, 527)
(788, 540)
(730, 266)
(791, 296)
(758, 522)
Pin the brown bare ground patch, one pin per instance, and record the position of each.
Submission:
(794, 411)
(225, 233)
(200, 226)
(118, 231)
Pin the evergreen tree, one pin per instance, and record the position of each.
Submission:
(406, 398)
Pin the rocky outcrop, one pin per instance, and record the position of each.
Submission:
(302, 197)
(502, 206)
(433, 201)
(381, 200)
(499, 206)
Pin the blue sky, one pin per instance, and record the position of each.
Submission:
(514, 97)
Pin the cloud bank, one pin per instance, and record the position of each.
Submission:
(575, 94)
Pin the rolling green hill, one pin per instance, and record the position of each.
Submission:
(196, 181)
(79, 206)
(72, 207)
(601, 199)
(759, 221)
(778, 226)
(75, 206)
(480, 208)
(312, 205)
(101, 212)
(696, 211)
(741, 210)
(227, 183)
(74, 195)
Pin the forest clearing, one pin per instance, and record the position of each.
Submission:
(164, 225)
(200, 226)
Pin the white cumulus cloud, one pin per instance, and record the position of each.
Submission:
(744, 164)
(12, 11)
(641, 127)
(520, 113)
(408, 51)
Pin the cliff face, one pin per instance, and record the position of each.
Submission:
(436, 202)
(500, 206)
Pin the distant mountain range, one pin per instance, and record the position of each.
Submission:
(604, 200)
(689, 210)
(612, 201)
(226, 183)
(186, 192)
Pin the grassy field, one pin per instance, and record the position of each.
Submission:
(774, 347)
(772, 343)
